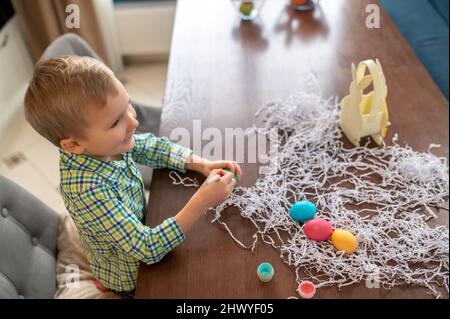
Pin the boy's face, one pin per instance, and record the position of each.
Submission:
(110, 128)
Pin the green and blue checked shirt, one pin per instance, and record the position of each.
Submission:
(106, 201)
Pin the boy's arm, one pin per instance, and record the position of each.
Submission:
(197, 164)
(103, 213)
(159, 152)
(205, 167)
(107, 216)
(194, 209)
(208, 195)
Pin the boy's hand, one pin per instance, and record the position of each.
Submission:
(207, 196)
(234, 167)
(216, 192)
(205, 166)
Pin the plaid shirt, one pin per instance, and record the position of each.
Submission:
(106, 202)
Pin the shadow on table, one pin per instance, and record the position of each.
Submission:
(306, 25)
(250, 34)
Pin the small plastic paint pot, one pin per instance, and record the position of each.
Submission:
(265, 272)
(306, 289)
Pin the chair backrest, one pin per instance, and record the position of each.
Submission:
(69, 44)
(28, 250)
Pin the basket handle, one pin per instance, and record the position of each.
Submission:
(376, 77)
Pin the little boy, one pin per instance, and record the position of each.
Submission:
(79, 105)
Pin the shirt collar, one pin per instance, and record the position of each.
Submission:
(87, 163)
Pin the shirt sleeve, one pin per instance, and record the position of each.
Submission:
(105, 215)
(159, 152)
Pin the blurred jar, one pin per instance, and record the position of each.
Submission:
(248, 9)
(302, 5)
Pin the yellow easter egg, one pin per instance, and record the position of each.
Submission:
(344, 240)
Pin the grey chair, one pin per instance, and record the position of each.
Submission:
(149, 117)
(28, 249)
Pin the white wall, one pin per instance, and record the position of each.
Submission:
(16, 69)
(145, 29)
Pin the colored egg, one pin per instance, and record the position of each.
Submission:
(344, 240)
(318, 229)
(234, 177)
(246, 7)
(302, 211)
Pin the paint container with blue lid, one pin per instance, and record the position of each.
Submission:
(265, 272)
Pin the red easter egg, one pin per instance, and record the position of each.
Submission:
(318, 229)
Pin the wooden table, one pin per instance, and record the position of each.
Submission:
(226, 70)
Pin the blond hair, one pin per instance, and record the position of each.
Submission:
(60, 92)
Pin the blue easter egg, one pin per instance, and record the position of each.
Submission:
(302, 211)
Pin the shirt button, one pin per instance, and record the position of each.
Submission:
(34, 241)
(4, 212)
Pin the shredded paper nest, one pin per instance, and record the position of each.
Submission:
(397, 186)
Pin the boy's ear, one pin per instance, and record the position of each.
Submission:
(71, 145)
